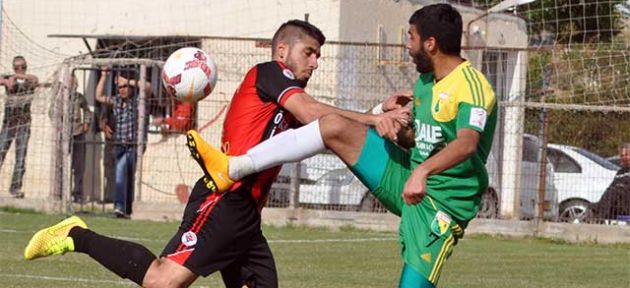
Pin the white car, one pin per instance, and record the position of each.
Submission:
(581, 178)
(325, 182)
(530, 179)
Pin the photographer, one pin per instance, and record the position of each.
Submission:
(16, 123)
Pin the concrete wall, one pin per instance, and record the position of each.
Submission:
(37, 19)
(350, 76)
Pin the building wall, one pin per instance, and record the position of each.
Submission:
(353, 76)
(236, 18)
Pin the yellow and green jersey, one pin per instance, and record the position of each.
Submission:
(462, 99)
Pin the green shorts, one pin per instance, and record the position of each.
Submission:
(427, 234)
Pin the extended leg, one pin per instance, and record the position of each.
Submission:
(344, 136)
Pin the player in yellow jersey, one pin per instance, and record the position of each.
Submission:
(436, 186)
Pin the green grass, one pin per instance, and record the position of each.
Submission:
(480, 261)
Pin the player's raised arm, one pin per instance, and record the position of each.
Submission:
(306, 109)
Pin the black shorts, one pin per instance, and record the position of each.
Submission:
(222, 233)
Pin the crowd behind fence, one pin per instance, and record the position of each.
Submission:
(560, 157)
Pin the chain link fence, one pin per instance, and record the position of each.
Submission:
(540, 152)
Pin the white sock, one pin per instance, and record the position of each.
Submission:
(290, 146)
(240, 166)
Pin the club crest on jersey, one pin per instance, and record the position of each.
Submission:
(189, 239)
(441, 223)
(287, 73)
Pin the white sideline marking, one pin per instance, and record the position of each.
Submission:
(331, 240)
(9, 231)
(63, 279)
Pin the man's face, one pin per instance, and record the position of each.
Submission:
(624, 157)
(124, 90)
(417, 51)
(302, 58)
(19, 66)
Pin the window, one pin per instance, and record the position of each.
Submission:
(561, 162)
(598, 159)
(530, 150)
(495, 68)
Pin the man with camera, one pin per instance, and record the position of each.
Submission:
(16, 123)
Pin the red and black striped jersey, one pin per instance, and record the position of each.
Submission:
(256, 113)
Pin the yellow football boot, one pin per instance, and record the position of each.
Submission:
(213, 162)
(53, 240)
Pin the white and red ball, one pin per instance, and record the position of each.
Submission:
(189, 74)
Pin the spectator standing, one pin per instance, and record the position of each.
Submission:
(81, 120)
(124, 107)
(16, 123)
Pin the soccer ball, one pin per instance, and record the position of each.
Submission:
(189, 74)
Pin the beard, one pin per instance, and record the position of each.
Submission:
(423, 62)
(293, 67)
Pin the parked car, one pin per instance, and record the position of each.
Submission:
(327, 183)
(581, 178)
(530, 179)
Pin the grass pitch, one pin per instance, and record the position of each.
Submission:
(311, 257)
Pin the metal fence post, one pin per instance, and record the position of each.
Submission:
(542, 180)
(294, 186)
(66, 141)
(141, 122)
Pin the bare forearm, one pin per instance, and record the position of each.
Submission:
(454, 153)
(100, 90)
(32, 80)
(316, 110)
(147, 85)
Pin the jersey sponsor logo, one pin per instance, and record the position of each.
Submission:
(478, 117)
(279, 123)
(427, 137)
(189, 238)
(428, 133)
(287, 73)
(441, 223)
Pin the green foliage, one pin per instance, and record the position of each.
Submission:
(599, 132)
(575, 21)
(568, 21)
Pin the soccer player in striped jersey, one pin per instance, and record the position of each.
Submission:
(436, 185)
(222, 231)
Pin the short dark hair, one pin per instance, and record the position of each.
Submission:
(19, 57)
(287, 30)
(442, 22)
(127, 71)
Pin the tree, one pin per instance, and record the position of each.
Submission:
(568, 21)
